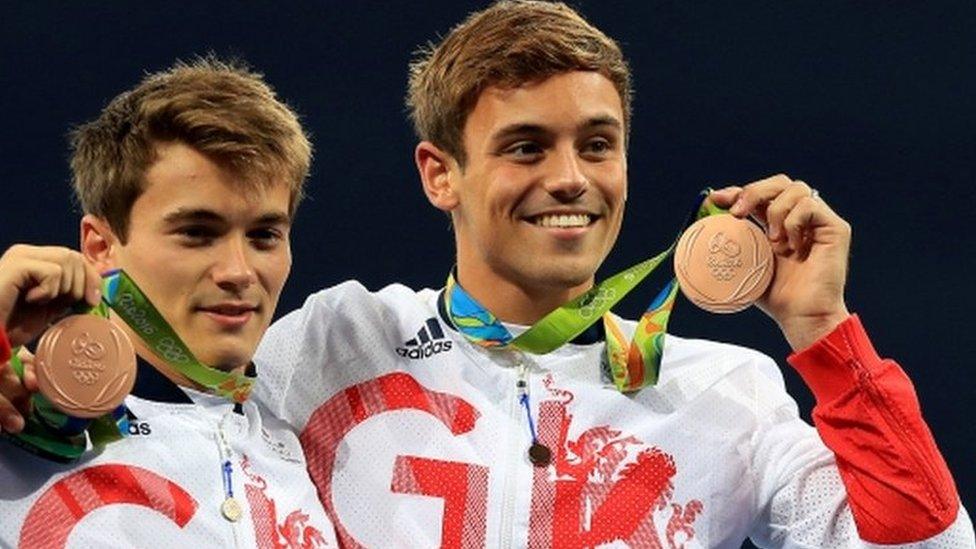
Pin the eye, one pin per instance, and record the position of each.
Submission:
(266, 238)
(196, 235)
(598, 147)
(524, 151)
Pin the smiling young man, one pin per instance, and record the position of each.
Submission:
(189, 183)
(427, 419)
(535, 241)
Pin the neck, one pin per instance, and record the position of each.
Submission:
(512, 302)
(159, 364)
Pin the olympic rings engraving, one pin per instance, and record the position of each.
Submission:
(171, 351)
(596, 302)
(84, 344)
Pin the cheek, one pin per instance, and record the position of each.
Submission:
(166, 278)
(507, 190)
(613, 182)
(274, 273)
(152, 271)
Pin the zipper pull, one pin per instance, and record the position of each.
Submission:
(539, 454)
(522, 378)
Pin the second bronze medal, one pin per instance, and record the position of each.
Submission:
(85, 366)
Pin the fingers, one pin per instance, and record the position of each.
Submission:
(93, 283)
(81, 282)
(13, 399)
(30, 374)
(724, 198)
(43, 280)
(786, 207)
(782, 205)
(35, 278)
(755, 197)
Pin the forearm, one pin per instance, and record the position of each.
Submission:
(899, 487)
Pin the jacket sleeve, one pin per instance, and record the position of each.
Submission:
(898, 487)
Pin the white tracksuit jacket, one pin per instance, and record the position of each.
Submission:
(163, 485)
(415, 438)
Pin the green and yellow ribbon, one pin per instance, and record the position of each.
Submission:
(634, 363)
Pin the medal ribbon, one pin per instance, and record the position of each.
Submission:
(127, 300)
(634, 364)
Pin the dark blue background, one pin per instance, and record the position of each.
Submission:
(872, 102)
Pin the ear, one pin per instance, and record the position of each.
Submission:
(99, 243)
(436, 167)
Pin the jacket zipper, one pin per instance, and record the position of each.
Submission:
(511, 473)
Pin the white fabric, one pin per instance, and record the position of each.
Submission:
(713, 454)
(175, 442)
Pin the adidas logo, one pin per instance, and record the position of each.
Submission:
(430, 340)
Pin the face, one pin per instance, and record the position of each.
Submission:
(541, 196)
(211, 256)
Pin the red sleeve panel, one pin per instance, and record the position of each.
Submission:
(898, 485)
(5, 351)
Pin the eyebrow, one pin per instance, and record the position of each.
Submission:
(517, 129)
(536, 129)
(183, 215)
(599, 121)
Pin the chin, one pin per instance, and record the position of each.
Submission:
(565, 275)
(226, 358)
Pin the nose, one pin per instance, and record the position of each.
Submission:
(233, 270)
(567, 181)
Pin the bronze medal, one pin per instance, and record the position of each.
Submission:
(86, 366)
(723, 264)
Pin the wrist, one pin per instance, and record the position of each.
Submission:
(802, 332)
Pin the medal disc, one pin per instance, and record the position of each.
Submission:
(231, 510)
(723, 264)
(85, 366)
(539, 455)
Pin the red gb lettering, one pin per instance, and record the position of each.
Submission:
(464, 511)
(603, 487)
(53, 517)
(464, 488)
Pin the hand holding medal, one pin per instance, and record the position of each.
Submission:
(84, 365)
(810, 245)
(37, 284)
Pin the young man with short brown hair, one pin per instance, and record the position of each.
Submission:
(189, 183)
(426, 420)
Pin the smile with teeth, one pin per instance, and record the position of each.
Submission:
(562, 221)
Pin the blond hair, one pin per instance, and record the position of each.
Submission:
(221, 109)
(509, 44)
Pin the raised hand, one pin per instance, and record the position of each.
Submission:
(37, 284)
(810, 244)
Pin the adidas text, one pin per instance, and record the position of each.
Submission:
(424, 351)
(430, 340)
(137, 428)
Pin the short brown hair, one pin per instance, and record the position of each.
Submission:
(511, 43)
(220, 108)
